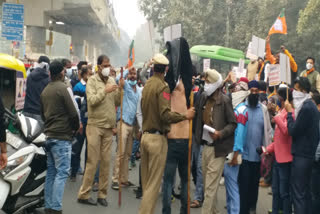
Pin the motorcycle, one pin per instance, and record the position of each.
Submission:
(22, 180)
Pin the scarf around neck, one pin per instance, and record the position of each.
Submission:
(238, 97)
(298, 99)
(308, 72)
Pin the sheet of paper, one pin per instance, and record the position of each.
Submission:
(285, 71)
(205, 135)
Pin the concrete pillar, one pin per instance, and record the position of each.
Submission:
(78, 46)
(36, 39)
(91, 52)
(95, 54)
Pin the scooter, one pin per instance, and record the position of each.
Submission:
(22, 181)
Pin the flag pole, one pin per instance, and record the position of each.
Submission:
(189, 152)
(120, 140)
(287, 79)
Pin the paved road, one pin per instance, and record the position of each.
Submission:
(130, 204)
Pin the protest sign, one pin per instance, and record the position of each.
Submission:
(285, 73)
(172, 32)
(206, 64)
(258, 46)
(274, 75)
(250, 54)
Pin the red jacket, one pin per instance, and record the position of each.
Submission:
(281, 146)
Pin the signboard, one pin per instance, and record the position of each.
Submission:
(20, 91)
(206, 64)
(250, 55)
(12, 21)
(172, 32)
(285, 74)
(258, 46)
(239, 72)
(274, 75)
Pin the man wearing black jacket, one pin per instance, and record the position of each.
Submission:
(305, 137)
(315, 185)
(3, 148)
(36, 82)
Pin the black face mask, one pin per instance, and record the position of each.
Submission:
(253, 100)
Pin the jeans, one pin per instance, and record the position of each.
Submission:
(232, 188)
(315, 187)
(177, 157)
(249, 176)
(198, 194)
(135, 149)
(301, 171)
(281, 188)
(58, 162)
(194, 159)
(76, 152)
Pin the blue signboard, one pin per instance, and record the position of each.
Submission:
(12, 21)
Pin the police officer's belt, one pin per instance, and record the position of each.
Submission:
(153, 131)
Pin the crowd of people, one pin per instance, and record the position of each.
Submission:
(259, 135)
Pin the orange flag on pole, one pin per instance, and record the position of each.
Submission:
(131, 57)
(280, 26)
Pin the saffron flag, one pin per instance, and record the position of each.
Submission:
(131, 57)
(280, 26)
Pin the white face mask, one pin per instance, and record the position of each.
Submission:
(309, 66)
(298, 100)
(210, 88)
(105, 72)
(69, 72)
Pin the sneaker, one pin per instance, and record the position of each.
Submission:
(130, 167)
(176, 195)
(115, 186)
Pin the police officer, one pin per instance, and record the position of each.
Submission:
(157, 117)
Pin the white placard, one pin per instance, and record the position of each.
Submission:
(206, 64)
(205, 135)
(250, 54)
(172, 32)
(285, 71)
(239, 72)
(258, 46)
(274, 75)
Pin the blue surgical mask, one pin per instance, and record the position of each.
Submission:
(132, 83)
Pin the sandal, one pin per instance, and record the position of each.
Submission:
(128, 184)
(195, 204)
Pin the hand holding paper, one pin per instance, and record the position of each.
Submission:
(207, 132)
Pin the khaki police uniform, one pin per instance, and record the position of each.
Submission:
(157, 117)
(101, 120)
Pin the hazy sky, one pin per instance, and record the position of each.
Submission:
(128, 15)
